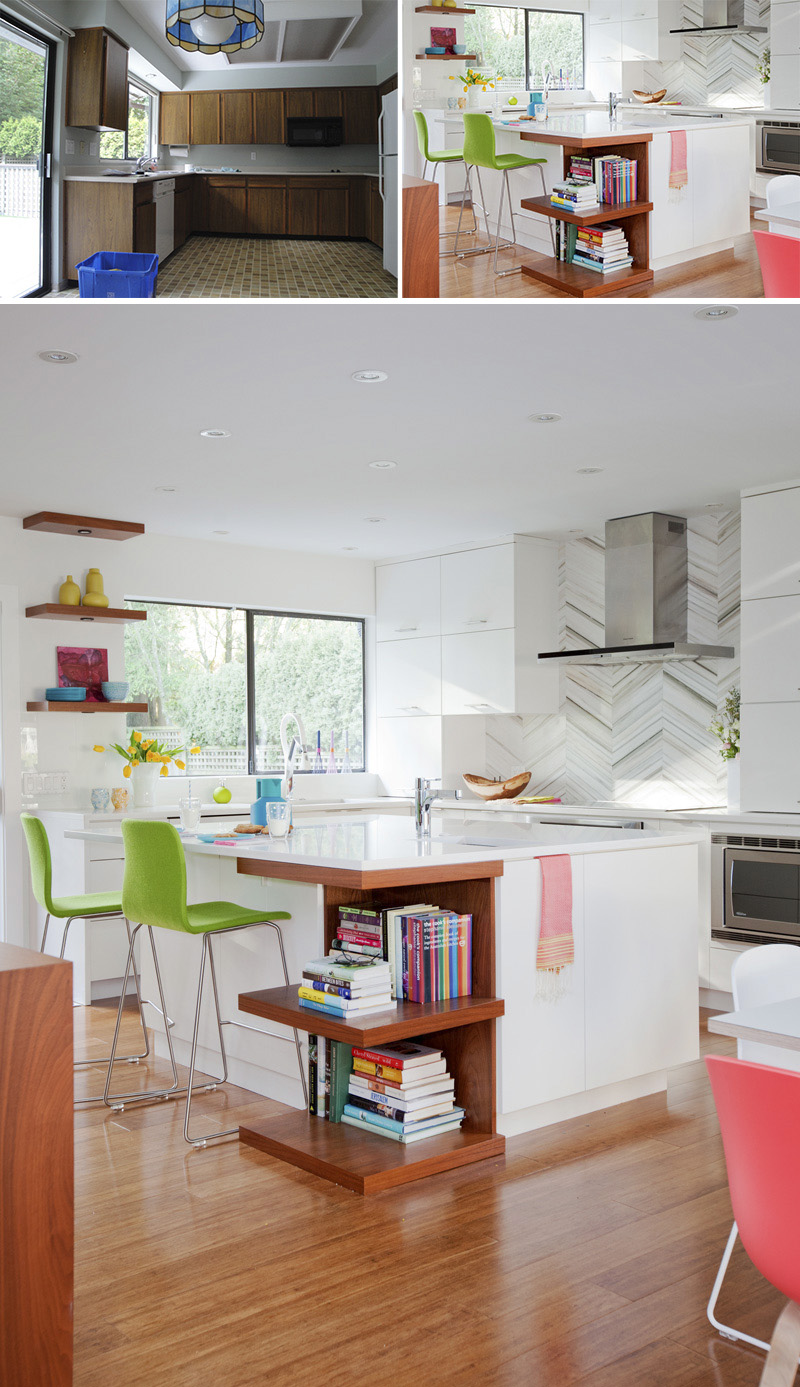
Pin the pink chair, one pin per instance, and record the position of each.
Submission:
(779, 257)
(759, 1116)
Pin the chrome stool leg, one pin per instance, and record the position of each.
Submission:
(116, 1101)
(469, 231)
(724, 1329)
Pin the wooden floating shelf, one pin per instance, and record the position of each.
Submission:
(607, 211)
(54, 611)
(73, 706)
(85, 526)
(447, 57)
(440, 9)
(584, 284)
(382, 1027)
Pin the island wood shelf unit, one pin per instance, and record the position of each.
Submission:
(574, 279)
(447, 57)
(463, 1028)
(74, 706)
(85, 526)
(440, 10)
(55, 611)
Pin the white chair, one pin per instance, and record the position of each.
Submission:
(781, 191)
(768, 973)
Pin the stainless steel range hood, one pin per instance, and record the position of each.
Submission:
(647, 597)
(725, 17)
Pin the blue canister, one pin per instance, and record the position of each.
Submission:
(535, 99)
(268, 790)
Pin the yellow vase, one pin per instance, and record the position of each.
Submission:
(94, 595)
(69, 594)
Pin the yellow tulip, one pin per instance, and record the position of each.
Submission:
(165, 770)
(98, 748)
(136, 736)
(194, 750)
(148, 743)
(181, 765)
(126, 770)
(151, 756)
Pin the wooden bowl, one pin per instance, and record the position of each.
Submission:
(650, 98)
(497, 789)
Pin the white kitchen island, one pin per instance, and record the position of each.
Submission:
(630, 1013)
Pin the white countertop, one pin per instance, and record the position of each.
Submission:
(375, 842)
(256, 172)
(788, 214)
(596, 124)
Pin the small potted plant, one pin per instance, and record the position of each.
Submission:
(148, 759)
(726, 730)
(476, 85)
(762, 68)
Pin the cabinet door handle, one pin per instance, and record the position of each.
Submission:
(406, 628)
(410, 708)
(477, 621)
(491, 708)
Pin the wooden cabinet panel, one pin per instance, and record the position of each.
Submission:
(226, 206)
(269, 117)
(97, 81)
(358, 207)
(199, 204)
(328, 101)
(97, 216)
(183, 215)
(332, 210)
(237, 117)
(205, 127)
(144, 228)
(303, 213)
(300, 102)
(174, 118)
(420, 239)
(266, 208)
(360, 115)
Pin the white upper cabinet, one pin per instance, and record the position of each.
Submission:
(633, 31)
(604, 11)
(770, 650)
(771, 544)
(407, 600)
(479, 673)
(478, 589)
(410, 678)
(771, 757)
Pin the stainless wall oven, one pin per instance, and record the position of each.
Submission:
(778, 147)
(755, 889)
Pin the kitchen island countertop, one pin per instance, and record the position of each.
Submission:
(116, 179)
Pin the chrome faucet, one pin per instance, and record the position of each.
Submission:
(613, 101)
(424, 797)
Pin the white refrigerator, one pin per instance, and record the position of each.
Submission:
(388, 174)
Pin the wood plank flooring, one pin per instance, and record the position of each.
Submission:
(732, 274)
(586, 1256)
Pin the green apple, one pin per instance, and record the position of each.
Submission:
(222, 795)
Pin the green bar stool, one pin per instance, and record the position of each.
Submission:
(100, 905)
(441, 156)
(480, 153)
(154, 895)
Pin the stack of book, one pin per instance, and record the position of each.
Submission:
(615, 178)
(401, 1091)
(602, 248)
(576, 194)
(360, 931)
(345, 990)
(581, 167)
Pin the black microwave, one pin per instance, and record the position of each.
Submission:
(311, 132)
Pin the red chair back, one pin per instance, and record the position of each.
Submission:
(779, 257)
(759, 1115)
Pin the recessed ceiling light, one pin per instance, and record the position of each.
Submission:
(384, 466)
(375, 519)
(349, 548)
(589, 471)
(56, 358)
(716, 312)
(166, 488)
(220, 532)
(544, 418)
(369, 377)
(215, 433)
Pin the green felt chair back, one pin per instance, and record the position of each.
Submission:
(41, 863)
(154, 885)
(479, 146)
(422, 133)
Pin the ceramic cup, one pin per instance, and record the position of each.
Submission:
(119, 799)
(100, 801)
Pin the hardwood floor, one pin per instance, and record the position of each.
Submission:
(733, 274)
(585, 1256)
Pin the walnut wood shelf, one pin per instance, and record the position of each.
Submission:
(85, 526)
(440, 9)
(583, 283)
(54, 611)
(74, 706)
(463, 1028)
(447, 57)
(606, 212)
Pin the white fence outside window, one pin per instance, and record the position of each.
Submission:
(20, 190)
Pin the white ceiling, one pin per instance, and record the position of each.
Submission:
(679, 413)
(374, 36)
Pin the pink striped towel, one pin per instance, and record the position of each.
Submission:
(678, 166)
(556, 951)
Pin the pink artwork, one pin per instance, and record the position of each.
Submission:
(443, 38)
(82, 667)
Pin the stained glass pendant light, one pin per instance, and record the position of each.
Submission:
(214, 27)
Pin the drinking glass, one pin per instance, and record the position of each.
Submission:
(278, 818)
(189, 810)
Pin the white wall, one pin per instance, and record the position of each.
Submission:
(153, 567)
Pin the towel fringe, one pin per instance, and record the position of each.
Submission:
(553, 983)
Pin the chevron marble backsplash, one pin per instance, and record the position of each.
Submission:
(635, 734)
(714, 71)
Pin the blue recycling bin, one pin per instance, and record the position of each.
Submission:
(117, 275)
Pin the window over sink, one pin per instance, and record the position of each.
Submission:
(224, 677)
(137, 140)
(516, 46)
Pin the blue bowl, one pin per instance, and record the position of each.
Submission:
(459, 48)
(434, 50)
(69, 695)
(114, 691)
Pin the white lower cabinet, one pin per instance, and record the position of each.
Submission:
(771, 757)
(672, 229)
(409, 678)
(721, 183)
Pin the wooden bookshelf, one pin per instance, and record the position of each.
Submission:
(575, 279)
(463, 1028)
(56, 611)
(440, 10)
(447, 58)
(75, 706)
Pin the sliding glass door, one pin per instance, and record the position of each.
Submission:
(26, 100)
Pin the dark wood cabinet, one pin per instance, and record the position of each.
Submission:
(328, 101)
(144, 228)
(302, 209)
(205, 123)
(226, 206)
(97, 81)
(375, 212)
(358, 208)
(299, 102)
(361, 107)
(333, 210)
(173, 118)
(269, 118)
(183, 215)
(237, 118)
(318, 207)
(266, 206)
